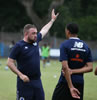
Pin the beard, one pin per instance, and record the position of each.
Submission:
(31, 41)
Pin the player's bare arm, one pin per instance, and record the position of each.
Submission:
(11, 65)
(46, 28)
(87, 68)
(74, 92)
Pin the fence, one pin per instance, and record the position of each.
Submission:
(6, 38)
(4, 50)
(54, 53)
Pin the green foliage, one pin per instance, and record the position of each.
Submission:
(41, 7)
(13, 16)
(74, 8)
(64, 17)
(88, 27)
(76, 11)
(89, 7)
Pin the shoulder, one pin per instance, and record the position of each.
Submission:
(85, 44)
(21, 43)
(18, 44)
(65, 43)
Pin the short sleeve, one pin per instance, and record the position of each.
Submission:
(63, 53)
(89, 56)
(15, 52)
(39, 37)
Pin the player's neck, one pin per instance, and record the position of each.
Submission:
(73, 35)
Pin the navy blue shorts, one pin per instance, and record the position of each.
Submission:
(32, 90)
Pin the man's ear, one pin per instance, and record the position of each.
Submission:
(26, 33)
(68, 32)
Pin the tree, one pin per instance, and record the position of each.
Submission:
(12, 16)
(36, 20)
(16, 13)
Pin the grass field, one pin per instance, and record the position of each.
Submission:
(50, 76)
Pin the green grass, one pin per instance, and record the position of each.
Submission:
(8, 81)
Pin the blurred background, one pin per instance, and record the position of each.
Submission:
(14, 14)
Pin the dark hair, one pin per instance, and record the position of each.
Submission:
(73, 28)
(27, 27)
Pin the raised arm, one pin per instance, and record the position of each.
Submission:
(74, 92)
(11, 65)
(46, 28)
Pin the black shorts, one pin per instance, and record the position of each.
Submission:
(62, 92)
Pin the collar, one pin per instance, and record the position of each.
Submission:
(74, 38)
